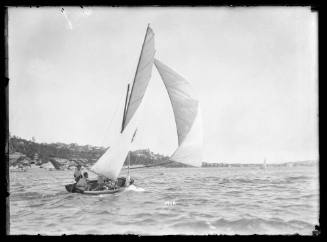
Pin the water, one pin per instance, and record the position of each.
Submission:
(170, 201)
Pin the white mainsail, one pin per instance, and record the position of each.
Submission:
(187, 114)
(111, 162)
(142, 76)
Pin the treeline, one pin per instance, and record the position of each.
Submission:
(90, 154)
(148, 158)
(145, 157)
(47, 151)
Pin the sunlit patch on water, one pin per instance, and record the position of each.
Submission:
(170, 201)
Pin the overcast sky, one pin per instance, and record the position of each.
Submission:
(254, 70)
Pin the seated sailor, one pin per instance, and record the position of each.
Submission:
(110, 184)
(82, 183)
(78, 173)
(127, 181)
(100, 183)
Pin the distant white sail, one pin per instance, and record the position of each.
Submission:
(187, 116)
(142, 76)
(111, 162)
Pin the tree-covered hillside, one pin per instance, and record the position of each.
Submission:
(53, 152)
(46, 151)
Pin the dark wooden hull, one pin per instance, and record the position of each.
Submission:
(93, 183)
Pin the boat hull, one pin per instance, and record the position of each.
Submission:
(93, 183)
(71, 188)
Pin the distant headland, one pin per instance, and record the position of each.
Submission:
(279, 164)
(60, 156)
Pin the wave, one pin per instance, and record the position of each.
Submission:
(192, 225)
(295, 178)
(266, 181)
(257, 224)
(208, 203)
(34, 195)
(24, 195)
(135, 189)
(296, 206)
(245, 226)
(244, 180)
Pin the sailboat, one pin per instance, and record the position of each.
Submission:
(186, 108)
(264, 165)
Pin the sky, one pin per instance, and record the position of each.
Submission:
(254, 70)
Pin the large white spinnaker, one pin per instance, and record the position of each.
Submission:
(187, 114)
(111, 162)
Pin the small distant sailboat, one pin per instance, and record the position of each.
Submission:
(186, 110)
(264, 165)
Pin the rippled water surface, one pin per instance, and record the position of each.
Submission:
(170, 201)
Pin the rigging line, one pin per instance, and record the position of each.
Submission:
(110, 123)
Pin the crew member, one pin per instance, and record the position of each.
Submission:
(82, 183)
(78, 173)
(100, 182)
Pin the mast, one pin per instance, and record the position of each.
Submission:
(125, 107)
(138, 63)
(129, 162)
(129, 152)
(111, 162)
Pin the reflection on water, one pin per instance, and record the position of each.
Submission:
(170, 201)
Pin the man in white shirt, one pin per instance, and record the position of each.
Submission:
(78, 173)
(82, 183)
